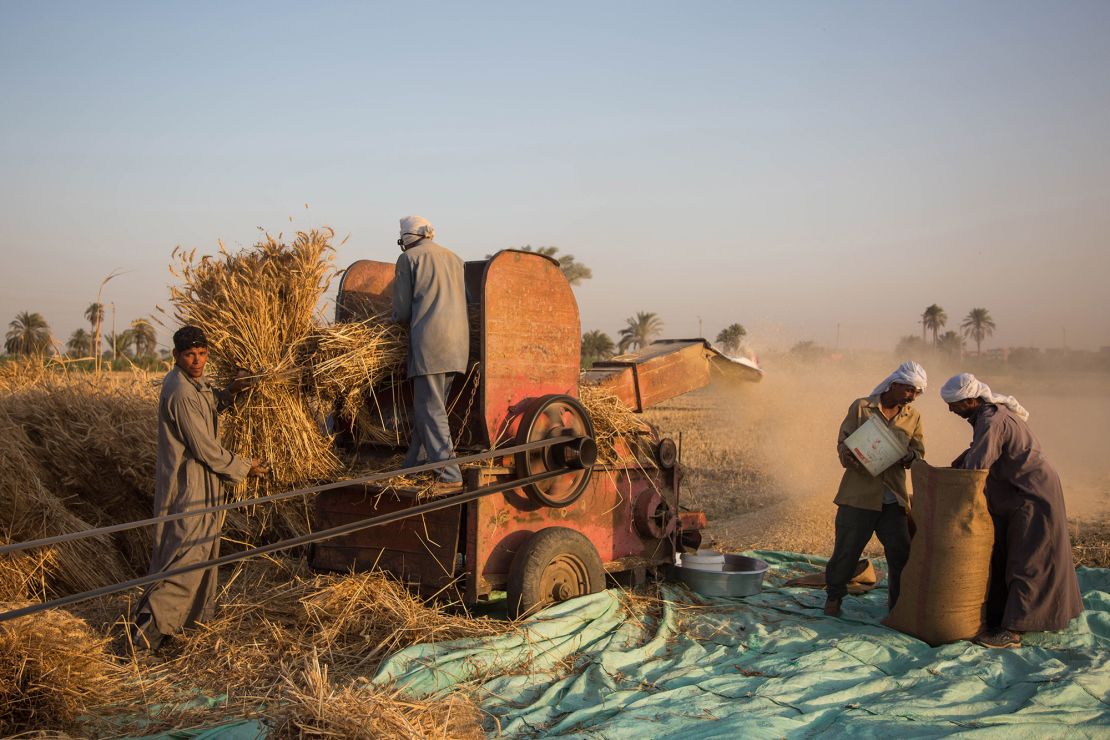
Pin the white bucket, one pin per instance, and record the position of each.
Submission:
(703, 560)
(875, 445)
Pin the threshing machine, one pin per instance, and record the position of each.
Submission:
(551, 539)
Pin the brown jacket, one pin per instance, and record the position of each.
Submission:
(858, 487)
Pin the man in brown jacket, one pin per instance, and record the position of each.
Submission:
(192, 468)
(868, 504)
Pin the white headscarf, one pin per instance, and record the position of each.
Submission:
(908, 373)
(415, 228)
(966, 385)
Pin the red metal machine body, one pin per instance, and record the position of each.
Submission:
(525, 354)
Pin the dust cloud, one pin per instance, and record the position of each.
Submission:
(762, 460)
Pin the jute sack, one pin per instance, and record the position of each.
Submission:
(944, 585)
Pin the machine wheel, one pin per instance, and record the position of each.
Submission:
(556, 564)
(554, 416)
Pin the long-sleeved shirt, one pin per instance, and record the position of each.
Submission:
(429, 296)
(859, 488)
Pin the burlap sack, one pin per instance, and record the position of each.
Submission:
(944, 585)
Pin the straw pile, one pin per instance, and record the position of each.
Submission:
(618, 430)
(329, 632)
(316, 708)
(29, 511)
(53, 670)
(23, 575)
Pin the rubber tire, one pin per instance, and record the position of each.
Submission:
(524, 595)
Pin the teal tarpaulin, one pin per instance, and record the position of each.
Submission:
(770, 665)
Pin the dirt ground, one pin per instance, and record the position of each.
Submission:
(761, 458)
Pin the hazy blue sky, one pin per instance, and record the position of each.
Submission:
(790, 166)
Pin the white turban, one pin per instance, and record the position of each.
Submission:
(908, 373)
(966, 385)
(415, 228)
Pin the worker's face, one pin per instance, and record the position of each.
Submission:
(192, 361)
(902, 394)
(965, 408)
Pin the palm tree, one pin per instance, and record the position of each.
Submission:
(978, 325)
(951, 343)
(79, 342)
(933, 319)
(641, 329)
(145, 338)
(574, 271)
(730, 338)
(120, 342)
(94, 314)
(28, 334)
(596, 345)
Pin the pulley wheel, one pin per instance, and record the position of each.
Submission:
(556, 416)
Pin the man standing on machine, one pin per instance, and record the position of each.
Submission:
(429, 297)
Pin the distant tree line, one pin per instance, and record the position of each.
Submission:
(976, 326)
(29, 335)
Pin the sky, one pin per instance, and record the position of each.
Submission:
(812, 170)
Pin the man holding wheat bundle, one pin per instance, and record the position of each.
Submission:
(429, 297)
(192, 468)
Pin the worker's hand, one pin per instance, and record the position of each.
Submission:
(244, 379)
(258, 470)
(848, 460)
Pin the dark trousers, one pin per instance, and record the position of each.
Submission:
(854, 528)
(431, 434)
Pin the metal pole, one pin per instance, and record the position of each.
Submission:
(113, 528)
(287, 544)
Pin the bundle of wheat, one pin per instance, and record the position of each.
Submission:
(257, 307)
(618, 430)
(345, 361)
(53, 670)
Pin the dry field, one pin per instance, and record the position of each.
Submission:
(761, 458)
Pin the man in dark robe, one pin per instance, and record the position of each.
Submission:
(192, 468)
(1033, 583)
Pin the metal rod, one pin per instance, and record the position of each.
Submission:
(113, 528)
(304, 539)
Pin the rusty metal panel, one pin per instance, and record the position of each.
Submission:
(618, 380)
(419, 550)
(531, 342)
(502, 523)
(365, 289)
(671, 374)
(655, 374)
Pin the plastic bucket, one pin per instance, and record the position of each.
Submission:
(702, 560)
(875, 445)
